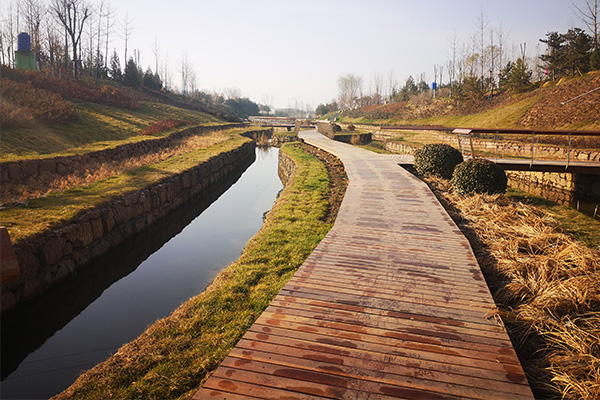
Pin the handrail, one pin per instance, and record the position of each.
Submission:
(463, 133)
(517, 131)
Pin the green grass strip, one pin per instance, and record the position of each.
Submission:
(173, 357)
(26, 220)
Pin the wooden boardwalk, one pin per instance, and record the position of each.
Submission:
(391, 304)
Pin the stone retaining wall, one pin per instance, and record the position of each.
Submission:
(59, 252)
(23, 170)
(564, 188)
(399, 148)
(507, 148)
(285, 167)
(559, 187)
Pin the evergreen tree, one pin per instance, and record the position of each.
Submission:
(115, 67)
(151, 80)
(595, 59)
(133, 76)
(567, 54)
(504, 76)
(409, 88)
(519, 79)
(577, 51)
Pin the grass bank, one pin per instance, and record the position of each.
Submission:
(545, 284)
(172, 358)
(96, 127)
(41, 213)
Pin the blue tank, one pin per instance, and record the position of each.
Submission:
(24, 42)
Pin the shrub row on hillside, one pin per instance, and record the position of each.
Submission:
(164, 125)
(87, 91)
(22, 104)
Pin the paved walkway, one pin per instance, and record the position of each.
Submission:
(391, 304)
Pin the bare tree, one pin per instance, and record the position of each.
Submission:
(377, 87)
(186, 74)
(53, 45)
(451, 64)
(156, 52)
(232, 93)
(10, 28)
(34, 14)
(72, 15)
(108, 16)
(127, 29)
(166, 77)
(588, 14)
(481, 26)
(502, 38)
(349, 87)
(492, 55)
(392, 86)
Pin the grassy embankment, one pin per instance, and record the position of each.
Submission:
(41, 213)
(173, 357)
(96, 127)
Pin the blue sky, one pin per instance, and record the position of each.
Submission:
(289, 53)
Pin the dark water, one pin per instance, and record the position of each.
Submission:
(45, 345)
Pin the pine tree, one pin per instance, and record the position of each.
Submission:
(519, 79)
(115, 67)
(133, 76)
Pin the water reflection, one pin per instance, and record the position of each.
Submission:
(110, 302)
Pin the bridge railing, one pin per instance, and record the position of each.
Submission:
(566, 147)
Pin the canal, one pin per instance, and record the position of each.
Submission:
(46, 344)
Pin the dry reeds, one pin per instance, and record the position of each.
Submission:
(546, 285)
(42, 185)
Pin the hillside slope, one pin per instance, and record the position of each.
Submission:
(547, 107)
(44, 116)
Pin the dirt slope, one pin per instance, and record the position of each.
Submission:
(559, 105)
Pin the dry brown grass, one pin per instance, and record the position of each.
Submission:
(546, 285)
(44, 184)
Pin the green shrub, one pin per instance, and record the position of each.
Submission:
(336, 128)
(437, 159)
(351, 128)
(479, 175)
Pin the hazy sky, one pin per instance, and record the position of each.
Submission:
(288, 52)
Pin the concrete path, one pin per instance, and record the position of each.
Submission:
(391, 304)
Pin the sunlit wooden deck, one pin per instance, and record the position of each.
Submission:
(391, 304)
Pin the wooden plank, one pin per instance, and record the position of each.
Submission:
(400, 295)
(412, 378)
(394, 363)
(396, 321)
(391, 304)
(415, 341)
(288, 321)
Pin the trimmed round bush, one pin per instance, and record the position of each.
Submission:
(336, 128)
(437, 159)
(480, 176)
